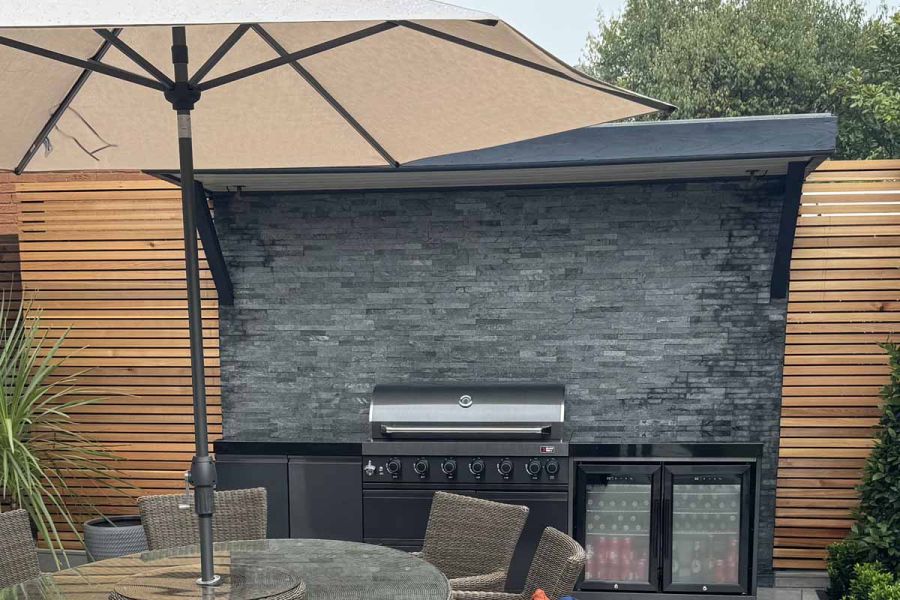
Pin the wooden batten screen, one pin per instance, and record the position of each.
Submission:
(104, 255)
(844, 300)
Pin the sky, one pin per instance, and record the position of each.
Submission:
(562, 26)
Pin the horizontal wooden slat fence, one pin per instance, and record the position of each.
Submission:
(103, 254)
(844, 300)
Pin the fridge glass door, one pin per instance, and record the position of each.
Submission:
(617, 516)
(707, 509)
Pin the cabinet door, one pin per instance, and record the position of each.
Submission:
(271, 472)
(326, 497)
(616, 520)
(706, 543)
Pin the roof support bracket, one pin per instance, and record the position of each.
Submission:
(790, 210)
(212, 249)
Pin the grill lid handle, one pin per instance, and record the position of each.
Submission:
(403, 429)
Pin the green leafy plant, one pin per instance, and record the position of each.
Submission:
(842, 560)
(38, 444)
(872, 582)
(875, 536)
(877, 524)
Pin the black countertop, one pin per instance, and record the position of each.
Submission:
(315, 445)
(312, 445)
(670, 450)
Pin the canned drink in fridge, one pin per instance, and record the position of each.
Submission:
(721, 572)
(601, 557)
(614, 560)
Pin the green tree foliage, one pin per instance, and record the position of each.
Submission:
(726, 58)
(869, 96)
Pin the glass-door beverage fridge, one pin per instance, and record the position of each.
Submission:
(665, 527)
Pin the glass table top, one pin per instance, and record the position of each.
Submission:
(330, 570)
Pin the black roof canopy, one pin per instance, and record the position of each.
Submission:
(622, 152)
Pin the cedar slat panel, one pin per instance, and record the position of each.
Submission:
(855, 175)
(847, 209)
(103, 253)
(847, 252)
(858, 242)
(869, 165)
(820, 199)
(844, 300)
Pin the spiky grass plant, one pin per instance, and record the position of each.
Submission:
(38, 443)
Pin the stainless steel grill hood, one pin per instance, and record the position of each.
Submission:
(462, 411)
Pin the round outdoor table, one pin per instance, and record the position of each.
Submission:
(331, 570)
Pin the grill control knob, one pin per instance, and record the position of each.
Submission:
(552, 467)
(393, 466)
(421, 467)
(449, 467)
(476, 467)
(505, 467)
(533, 467)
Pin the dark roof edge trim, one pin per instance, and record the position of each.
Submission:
(493, 167)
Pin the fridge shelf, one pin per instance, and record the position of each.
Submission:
(676, 532)
(705, 512)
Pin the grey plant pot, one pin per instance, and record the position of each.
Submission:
(114, 536)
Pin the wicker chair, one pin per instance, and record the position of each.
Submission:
(472, 540)
(18, 557)
(556, 566)
(240, 515)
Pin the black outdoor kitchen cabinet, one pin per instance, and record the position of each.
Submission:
(271, 472)
(314, 495)
(666, 519)
(326, 497)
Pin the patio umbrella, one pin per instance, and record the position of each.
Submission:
(90, 84)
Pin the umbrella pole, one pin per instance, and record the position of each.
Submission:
(203, 469)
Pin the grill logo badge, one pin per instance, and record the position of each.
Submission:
(465, 401)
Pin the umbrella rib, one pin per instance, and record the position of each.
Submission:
(447, 37)
(294, 56)
(331, 100)
(89, 64)
(135, 57)
(220, 52)
(63, 106)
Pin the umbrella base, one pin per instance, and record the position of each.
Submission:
(242, 582)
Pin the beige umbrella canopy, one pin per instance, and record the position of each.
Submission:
(92, 84)
(381, 82)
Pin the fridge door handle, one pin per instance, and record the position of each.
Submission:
(665, 535)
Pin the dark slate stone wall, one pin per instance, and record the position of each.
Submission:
(651, 302)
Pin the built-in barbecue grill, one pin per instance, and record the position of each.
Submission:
(500, 442)
(482, 412)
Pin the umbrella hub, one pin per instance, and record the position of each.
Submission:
(182, 95)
